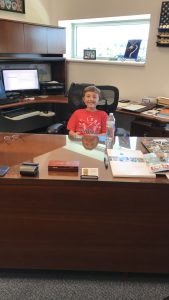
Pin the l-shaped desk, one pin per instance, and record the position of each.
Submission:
(138, 123)
(57, 221)
(55, 103)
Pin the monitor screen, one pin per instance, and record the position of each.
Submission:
(20, 80)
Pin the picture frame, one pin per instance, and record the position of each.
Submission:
(17, 6)
(132, 49)
(89, 54)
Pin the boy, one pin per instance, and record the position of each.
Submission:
(88, 120)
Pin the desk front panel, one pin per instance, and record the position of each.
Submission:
(61, 222)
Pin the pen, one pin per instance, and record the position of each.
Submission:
(105, 163)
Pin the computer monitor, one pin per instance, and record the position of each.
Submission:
(21, 80)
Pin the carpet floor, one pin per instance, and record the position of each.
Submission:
(61, 285)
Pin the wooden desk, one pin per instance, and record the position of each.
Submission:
(38, 100)
(144, 125)
(57, 104)
(60, 222)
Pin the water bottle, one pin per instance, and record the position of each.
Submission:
(110, 131)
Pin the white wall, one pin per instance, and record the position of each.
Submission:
(133, 82)
(38, 11)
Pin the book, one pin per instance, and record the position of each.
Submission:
(157, 162)
(156, 144)
(164, 113)
(129, 163)
(63, 165)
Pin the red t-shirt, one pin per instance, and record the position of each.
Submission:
(87, 122)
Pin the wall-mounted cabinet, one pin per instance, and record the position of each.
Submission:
(43, 46)
(56, 39)
(35, 39)
(18, 37)
(12, 37)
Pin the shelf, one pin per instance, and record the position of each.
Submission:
(30, 58)
(162, 44)
(163, 29)
(164, 36)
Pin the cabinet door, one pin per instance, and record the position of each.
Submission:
(11, 36)
(35, 39)
(56, 38)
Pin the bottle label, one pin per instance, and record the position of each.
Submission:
(110, 130)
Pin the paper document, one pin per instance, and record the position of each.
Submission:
(128, 163)
(134, 107)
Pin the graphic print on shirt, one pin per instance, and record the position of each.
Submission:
(89, 126)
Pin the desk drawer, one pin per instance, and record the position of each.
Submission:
(147, 128)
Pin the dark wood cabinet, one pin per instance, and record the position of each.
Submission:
(19, 37)
(56, 39)
(27, 45)
(12, 37)
(35, 39)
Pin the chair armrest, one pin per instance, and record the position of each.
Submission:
(55, 128)
(121, 132)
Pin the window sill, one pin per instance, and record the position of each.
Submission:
(112, 62)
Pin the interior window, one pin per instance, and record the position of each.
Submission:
(108, 36)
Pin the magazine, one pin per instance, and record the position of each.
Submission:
(164, 113)
(158, 162)
(129, 163)
(156, 144)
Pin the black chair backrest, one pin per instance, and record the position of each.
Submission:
(75, 95)
(108, 100)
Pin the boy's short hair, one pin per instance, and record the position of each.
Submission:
(91, 88)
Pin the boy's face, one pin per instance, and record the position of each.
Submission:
(91, 99)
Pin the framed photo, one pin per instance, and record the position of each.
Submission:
(17, 6)
(132, 49)
(89, 54)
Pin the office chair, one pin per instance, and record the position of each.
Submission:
(108, 99)
(108, 102)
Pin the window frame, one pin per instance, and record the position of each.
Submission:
(72, 26)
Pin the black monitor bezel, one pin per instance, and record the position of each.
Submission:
(21, 91)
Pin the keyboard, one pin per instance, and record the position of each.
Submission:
(21, 114)
(27, 115)
(8, 101)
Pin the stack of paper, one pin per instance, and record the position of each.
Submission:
(163, 101)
